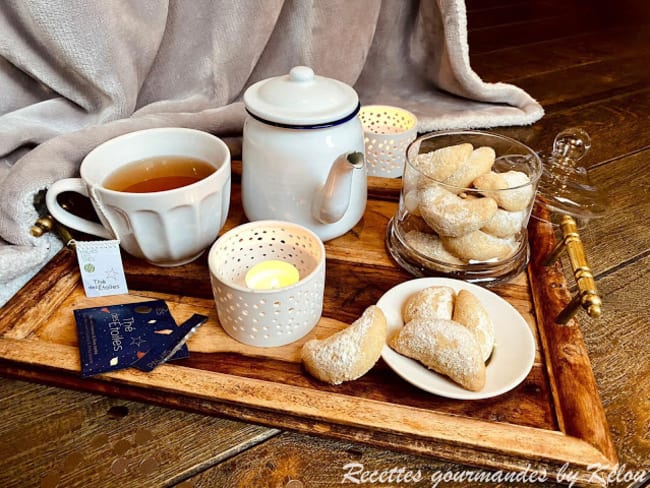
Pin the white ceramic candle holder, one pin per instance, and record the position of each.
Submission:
(274, 317)
(387, 133)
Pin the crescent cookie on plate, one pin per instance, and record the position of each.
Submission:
(349, 353)
(434, 302)
(444, 346)
(469, 312)
(449, 332)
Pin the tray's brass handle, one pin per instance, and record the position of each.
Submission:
(42, 226)
(46, 224)
(587, 295)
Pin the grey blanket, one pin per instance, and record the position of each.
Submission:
(74, 73)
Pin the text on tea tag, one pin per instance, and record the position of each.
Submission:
(101, 268)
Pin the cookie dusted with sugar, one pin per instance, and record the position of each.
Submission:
(349, 353)
(442, 163)
(444, 346)
(505, 223)
(450, 215)
(434, 302)
(511, 190)
(479, 246)
(478, 163)
(469, 311)
(431, 246)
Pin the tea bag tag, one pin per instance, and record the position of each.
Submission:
(100, 263)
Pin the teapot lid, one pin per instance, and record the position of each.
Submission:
(301, 98)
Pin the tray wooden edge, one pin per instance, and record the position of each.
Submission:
(579, 410)
(406, 429)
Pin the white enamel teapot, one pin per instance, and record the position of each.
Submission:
(303, 153)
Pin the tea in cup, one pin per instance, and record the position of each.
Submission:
(164, 193)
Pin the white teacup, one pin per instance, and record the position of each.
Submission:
(167, 227)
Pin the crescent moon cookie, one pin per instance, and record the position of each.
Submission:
(516, 198)
(450, 215)
(469, 312)
(479, 246)
(431, 246)
(434, 302)
(349, 353)
(505, 223)
(443, 162)
(445, 347)
(479, 163)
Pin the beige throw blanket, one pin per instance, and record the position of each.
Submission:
(74, 73)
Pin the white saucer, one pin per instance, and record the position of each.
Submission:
(511, 360)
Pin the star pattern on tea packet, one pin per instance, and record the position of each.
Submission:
(137, 341)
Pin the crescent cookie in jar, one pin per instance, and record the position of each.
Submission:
(464, 207)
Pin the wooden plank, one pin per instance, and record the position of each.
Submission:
(624, 189)
(616, 127)
(619, 350)
(94, 439)
(539, 22)
(587, 83)
(482, 15)
(294, 461)
(552, 58)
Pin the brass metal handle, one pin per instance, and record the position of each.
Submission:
(587, 295)
(48, 223)
(42, 226)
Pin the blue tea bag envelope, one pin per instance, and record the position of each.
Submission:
(162, 352)
(115, 336)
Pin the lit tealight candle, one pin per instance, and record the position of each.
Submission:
(271, 274)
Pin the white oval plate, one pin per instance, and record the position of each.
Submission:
(512, 357)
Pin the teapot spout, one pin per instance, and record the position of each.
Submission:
(333, 199)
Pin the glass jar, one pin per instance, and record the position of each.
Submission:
(464, 206)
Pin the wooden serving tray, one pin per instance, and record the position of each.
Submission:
(553, 421)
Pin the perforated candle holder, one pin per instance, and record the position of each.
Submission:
(387, 133)
(267, 317)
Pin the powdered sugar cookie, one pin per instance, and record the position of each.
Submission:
(450, 215)
(434, 302)
(469, 312)
(478, 163)
(349, 353)
(479, 246)
(444, 346)
(505, 223)
(515, 189)
(443, 162)
(431, 246)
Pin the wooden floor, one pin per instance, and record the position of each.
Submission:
(588, 64)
